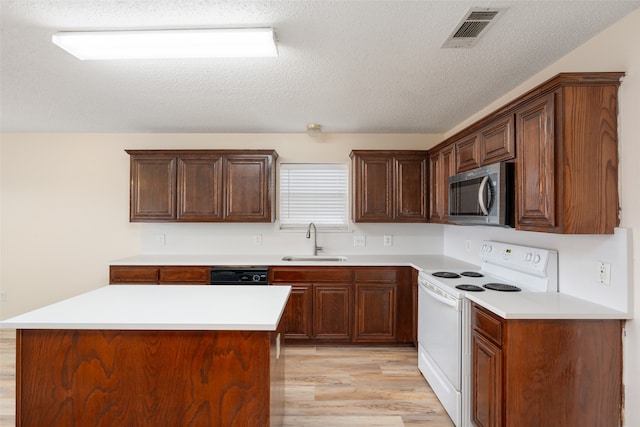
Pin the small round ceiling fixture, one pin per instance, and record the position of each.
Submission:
(314, 129)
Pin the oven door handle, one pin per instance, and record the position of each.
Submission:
(441, 296)
(481, 190)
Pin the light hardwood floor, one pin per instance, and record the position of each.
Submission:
(325, 387)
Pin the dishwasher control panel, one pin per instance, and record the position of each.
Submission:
(239, 276)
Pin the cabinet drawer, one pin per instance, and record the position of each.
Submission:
(133, 274)
(376, 275)
(311, 275)
(487, 324)
(185, 275)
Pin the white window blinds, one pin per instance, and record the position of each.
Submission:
(315, 193)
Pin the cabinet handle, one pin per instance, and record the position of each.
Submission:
(481, 191)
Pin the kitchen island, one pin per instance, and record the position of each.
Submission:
(153, 356)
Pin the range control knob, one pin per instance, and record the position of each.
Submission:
(528, 257)
(536, 258)
(256, 278)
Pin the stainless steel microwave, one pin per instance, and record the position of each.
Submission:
(483, 196)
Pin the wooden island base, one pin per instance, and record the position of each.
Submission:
(148, 378)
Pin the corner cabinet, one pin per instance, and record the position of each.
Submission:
(567, 164)
(545, 372)
(202, 185)
(389, 186)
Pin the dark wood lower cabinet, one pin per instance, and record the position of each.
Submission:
(298, 320)
(487, 381)
(149, 378)
(376, 313)
(163, 275)
(332, 312)
(348, 304)
(560, 373)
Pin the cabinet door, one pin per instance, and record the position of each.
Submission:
(441, 167)
(133, 274)
(298, 313)
(486, 382)
(248, 188)
(332, 308)
(153, 188)
(373, 180)
(185, 275)
(467, 153)
(410, 188)
(497, 141)
(200, 188)
(376, 312)
(535, 175)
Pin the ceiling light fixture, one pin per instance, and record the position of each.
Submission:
(196, 43)
(314, 129)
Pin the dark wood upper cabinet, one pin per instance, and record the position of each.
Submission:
(442, 165)
(567, 163)
(411, 189)
(468, 153)
(373, 184)
(202, 185)
(153, 188)
(497, 141)
(535, 172)
(563, 135)
(389, 186)
(249, 188)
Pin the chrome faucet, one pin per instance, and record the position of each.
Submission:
(316, 248)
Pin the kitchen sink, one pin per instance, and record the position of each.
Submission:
(314, 258)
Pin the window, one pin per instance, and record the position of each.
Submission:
(315, 193)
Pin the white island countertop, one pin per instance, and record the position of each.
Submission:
(163, 307)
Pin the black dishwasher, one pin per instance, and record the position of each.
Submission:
(239, 276)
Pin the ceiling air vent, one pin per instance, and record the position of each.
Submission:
(472, 26)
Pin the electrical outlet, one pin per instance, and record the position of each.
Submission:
(161, 239)
(257, 239)
(359, 241)
(3, 296)
(388, 240)
(604, 273)
(467, 245)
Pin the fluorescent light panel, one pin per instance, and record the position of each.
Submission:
(200, 43)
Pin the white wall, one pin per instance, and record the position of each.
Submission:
(65, 209)
(615, 49)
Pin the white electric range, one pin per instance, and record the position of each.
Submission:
(444, 330)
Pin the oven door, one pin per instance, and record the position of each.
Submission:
(440, 345)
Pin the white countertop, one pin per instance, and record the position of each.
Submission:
(542, 305)
(162, 307)
(419, 262)
(518, 305)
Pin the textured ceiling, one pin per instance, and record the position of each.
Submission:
(352, 66)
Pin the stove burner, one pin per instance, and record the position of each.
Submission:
(470, 288)
(471, 274)
(446, 275)
(502, 287)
